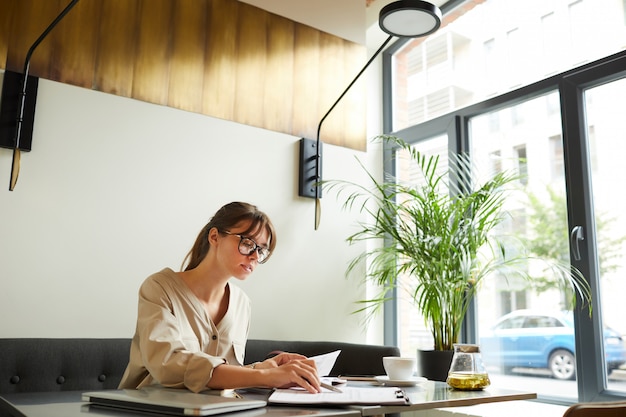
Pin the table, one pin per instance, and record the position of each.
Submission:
(69, 404)
(432, 394)
(435, 394)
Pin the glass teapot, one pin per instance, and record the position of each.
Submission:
(467, 371)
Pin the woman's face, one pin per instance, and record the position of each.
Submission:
(233, 242)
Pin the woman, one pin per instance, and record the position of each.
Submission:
(192, 326)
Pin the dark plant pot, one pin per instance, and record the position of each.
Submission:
(434, 364)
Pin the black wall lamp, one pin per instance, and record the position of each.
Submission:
(26, 104)
(403, 18)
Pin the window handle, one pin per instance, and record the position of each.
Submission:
(575, 237)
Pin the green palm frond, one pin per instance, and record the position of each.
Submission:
(439, 234)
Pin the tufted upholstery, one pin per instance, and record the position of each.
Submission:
(38, 365)
(35, 365)
(355, 359)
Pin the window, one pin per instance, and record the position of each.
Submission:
(490, 47)
(516, 65)
(579, 16)
(491, 60)
(606, 140)
(494, 122)
(551, 34)
(511, 301)
(556, 158)
(495, 160)
(552, 104)
(515, 359)
(522, 130)
(522, 163)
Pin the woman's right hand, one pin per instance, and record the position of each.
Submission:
(290, 370)
(280, 359)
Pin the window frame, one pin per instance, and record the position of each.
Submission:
(570, 85)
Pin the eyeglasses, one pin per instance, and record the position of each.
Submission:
(247, 246)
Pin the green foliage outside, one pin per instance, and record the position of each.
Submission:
(548, 237)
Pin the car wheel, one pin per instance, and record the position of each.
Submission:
(562, 364)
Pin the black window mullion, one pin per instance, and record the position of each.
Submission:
(590, 363)
(589, 358)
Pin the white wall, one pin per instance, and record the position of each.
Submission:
(116, 189)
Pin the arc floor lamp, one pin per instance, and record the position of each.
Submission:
(403, 18)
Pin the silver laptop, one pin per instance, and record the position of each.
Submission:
(169, 401)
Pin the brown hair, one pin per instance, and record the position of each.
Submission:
(227, 217)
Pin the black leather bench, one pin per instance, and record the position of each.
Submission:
(48, 364)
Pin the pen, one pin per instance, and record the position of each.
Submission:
(330, 387)
(357, 378)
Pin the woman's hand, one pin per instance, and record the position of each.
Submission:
(289, 370)
(279, 360)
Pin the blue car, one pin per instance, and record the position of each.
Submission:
(530, 339)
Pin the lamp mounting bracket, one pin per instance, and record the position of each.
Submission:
(309, 176)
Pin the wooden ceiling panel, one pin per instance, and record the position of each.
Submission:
(75, 32)
(331, 84)
(222, 58)
(354, 104)
(30, 19)
(278, 89)
(187, 59)
(251, 65)
(152, 58)
(5, 29)
(306, 88)
(117, 45)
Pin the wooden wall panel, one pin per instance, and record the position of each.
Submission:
(278, 88)
(222, 58)
(354, 106)
(6, 17)
(306, 113)
(251, 65)
(330, 82)
(75, 32)
(152, 59)
(187, 59)
(31, 18)
(117, 45)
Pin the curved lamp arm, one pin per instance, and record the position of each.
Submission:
(318, 174)
(15, 164)
(402, 18)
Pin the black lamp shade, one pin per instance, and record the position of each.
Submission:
(410, 18)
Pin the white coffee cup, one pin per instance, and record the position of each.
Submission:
(399, 368)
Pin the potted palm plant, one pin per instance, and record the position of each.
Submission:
(440, 240)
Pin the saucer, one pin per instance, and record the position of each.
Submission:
(384, 380)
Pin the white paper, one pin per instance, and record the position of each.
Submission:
(349, 395)
(333, 380)
(325, 362)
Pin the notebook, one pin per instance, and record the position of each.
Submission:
(348, 395)
(169, 401)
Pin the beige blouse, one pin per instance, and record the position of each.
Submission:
(176, 344)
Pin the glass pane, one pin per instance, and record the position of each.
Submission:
(412, 331)
(607, 146)
(488, 48)
(526, 338)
